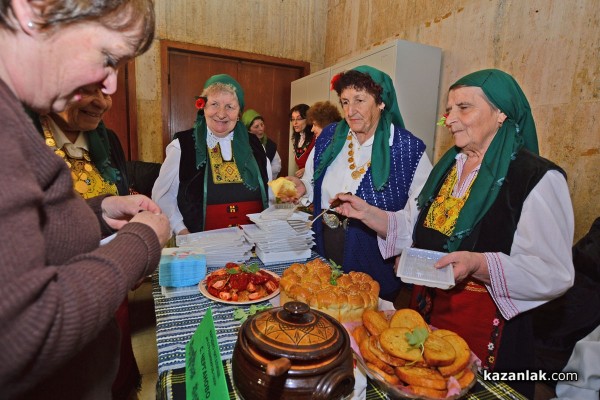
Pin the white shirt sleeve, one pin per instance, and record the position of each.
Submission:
(400, 229)
(270, 177)
(166, 186)
(307, 178)
(276, 165)
(584, 361)
(421, 174)
(401, 223)
(540, 265)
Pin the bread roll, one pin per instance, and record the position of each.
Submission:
(283, 187)
(346, 301)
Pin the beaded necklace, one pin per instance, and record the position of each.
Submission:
(356, 172)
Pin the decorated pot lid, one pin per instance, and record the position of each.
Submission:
(296, 332)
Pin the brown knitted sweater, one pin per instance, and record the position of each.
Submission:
(58, 289)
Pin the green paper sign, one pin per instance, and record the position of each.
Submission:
(204, 374)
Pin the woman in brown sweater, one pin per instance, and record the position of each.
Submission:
(60, 289)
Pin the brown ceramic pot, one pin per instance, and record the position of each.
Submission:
(293, 352)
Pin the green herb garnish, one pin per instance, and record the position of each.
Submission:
(242, 315)
(251, 269)
(336, 272)
(416, 339)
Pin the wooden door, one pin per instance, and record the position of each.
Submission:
(122, 117)
(266, 82)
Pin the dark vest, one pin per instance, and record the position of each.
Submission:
(361, 251)
(192, 182)
(270, 149)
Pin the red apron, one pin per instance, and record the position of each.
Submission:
(230, 214)
(467, 309)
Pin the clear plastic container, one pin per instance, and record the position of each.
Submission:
(416, 266)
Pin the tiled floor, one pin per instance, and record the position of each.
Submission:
(143, 337)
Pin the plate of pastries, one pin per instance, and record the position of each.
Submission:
(408, 359)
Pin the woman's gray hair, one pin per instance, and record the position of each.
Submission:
(219, 87)
(117, 15)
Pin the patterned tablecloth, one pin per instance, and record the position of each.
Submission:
(178, 317)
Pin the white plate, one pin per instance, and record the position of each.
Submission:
(204, 291)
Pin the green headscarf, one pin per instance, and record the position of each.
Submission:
(242, 151)
(248, 119)
(380, 156)
(100, 153)
(517, 131)
(249, 116)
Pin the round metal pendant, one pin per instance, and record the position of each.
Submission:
(331, 220)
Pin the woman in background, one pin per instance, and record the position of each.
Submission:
(97, 162)
(255, 124)
(215, 173)
(303, 139)
(60, 288)
(93, 153)
(321, 114)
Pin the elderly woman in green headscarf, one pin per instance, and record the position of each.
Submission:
(215, 173)
(255, 123)
(502, 212)
(370, 154)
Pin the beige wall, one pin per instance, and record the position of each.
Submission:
(552, 48)
(293, 29)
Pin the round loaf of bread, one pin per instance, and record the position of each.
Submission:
(346, 301)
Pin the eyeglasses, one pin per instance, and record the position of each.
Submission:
(292, 120)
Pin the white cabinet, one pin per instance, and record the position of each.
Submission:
(415, 70)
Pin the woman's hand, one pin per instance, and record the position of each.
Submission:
(299, 173)
(300, 190)
(184, 231)
(158, 222)
(465, 264)
(117, 211)
(352, 206)
(355, 207)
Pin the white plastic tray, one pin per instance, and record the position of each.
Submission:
(416, 266)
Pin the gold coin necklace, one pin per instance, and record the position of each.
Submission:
(356, 172)
(81, 165)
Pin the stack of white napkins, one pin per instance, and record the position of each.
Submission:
(219, 246)
(275, 239)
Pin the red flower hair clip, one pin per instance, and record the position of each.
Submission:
(442, 121)
(334, 81)
(200, 102)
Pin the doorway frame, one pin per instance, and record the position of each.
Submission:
(168, 45)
